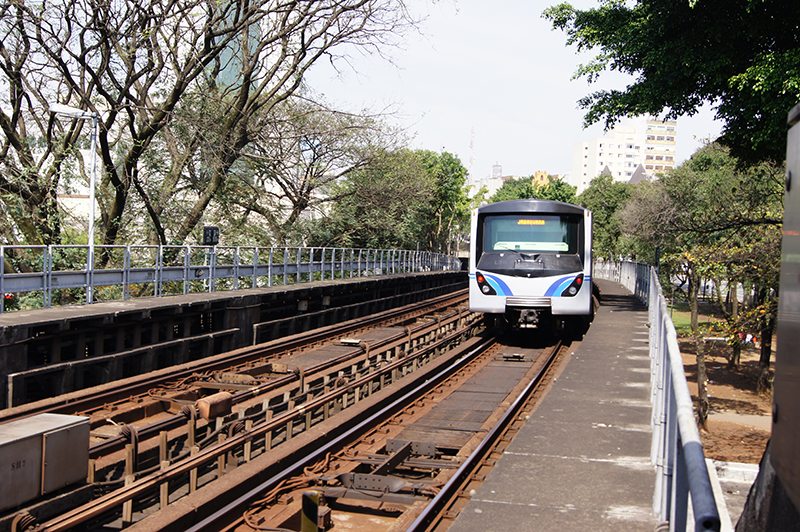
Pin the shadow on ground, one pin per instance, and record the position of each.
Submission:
(620, 303)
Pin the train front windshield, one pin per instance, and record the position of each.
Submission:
(533, 234)
(530, 245)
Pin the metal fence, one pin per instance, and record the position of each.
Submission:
(676, 450)
(43, 276)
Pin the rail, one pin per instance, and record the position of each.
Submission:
(676, 450)
(54, 275)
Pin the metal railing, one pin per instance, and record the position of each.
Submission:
(52, 275)
(676, 450)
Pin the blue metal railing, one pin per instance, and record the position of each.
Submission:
(42, 272)
(676, 450)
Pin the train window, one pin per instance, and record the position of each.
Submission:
(531, 233)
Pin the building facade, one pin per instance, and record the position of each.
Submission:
(646, 142)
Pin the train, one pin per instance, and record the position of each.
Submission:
(530, 265)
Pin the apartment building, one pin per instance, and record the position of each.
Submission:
(647, 142)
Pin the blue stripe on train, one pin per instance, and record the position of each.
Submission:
(559, 286)
(499, 285)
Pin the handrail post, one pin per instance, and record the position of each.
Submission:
(254, 282)
(47, 280)
(236, 267)
(187, 268)
(159, 270)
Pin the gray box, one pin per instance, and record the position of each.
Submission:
(41, 454)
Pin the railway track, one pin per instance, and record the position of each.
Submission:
(394, 414)
(172, 431)
(403, 463)
(110, 398)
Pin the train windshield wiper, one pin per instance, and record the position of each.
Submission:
(524, 255)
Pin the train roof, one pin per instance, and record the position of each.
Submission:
(532, 205)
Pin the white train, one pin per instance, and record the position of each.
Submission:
(530, 264)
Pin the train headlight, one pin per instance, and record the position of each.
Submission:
(574, 286)
(483, 284)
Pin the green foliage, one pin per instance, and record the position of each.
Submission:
(557, 190)
(512, 189)
(743, 56)
(605, 198)
(380, 205)
(403, 198)
(448, 212)
(714, 218)
(521, 188)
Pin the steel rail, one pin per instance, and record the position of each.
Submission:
(92, 399)
(176, 420)
(433, 510)
(210, 522)
(152, 482)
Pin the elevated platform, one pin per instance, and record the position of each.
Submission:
(582, 461)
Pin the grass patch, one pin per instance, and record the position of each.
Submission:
(682, 318)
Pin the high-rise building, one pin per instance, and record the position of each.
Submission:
(647, 142)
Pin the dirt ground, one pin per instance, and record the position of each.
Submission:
(739, 418)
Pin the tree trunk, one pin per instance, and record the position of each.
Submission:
(694, 282)
(702, 383)
(736, 351)
(764, 378)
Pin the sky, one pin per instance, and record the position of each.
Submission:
(488, 81)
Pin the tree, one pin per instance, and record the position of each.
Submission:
(742, 56)
(299, 152)
(555, 189)
(383, 204)
(146, 69)
(401, 198)
(515, 188)
(713, 218)
(605, 198)
(448, 212)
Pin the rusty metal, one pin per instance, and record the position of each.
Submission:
(287, 419)
(432, 512)
(100, 397)
(214, 405)
(383, 344)
(460, 359)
